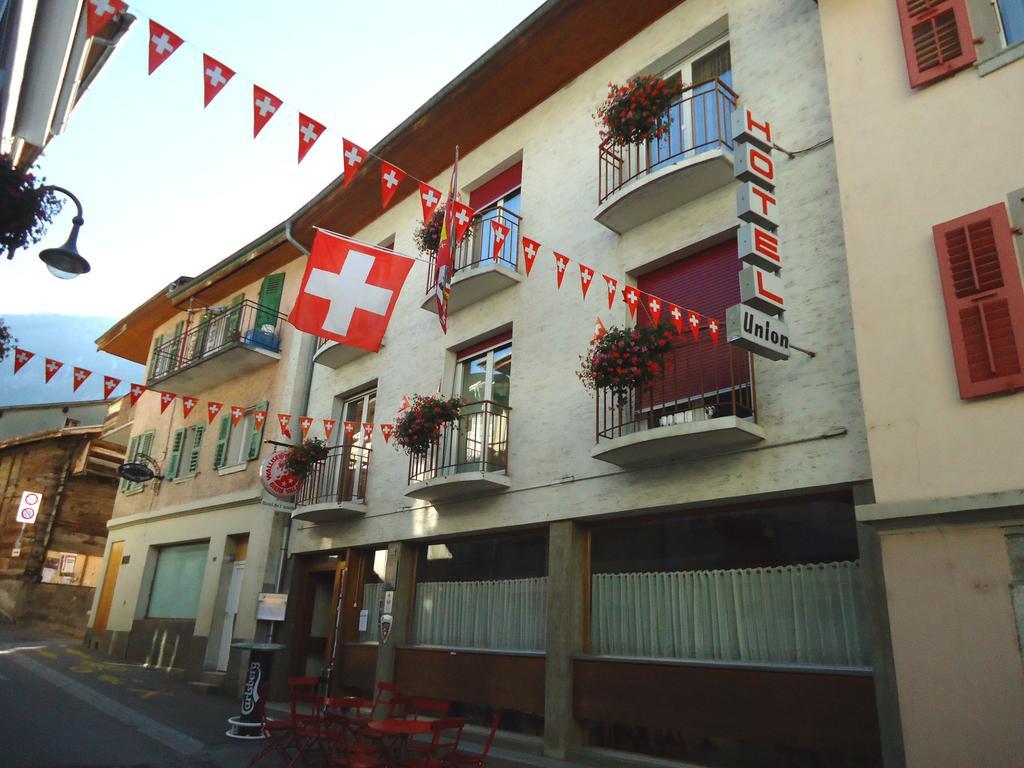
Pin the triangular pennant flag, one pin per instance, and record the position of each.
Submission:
(586, 276)
(429, 199)
(21, 356)
(386, 429)
(166, 398)
(500, 233)
(162, 43)
(406, 405)
(80, 375)
(135, 393)
(390, 177)
(713, 330)
(284, 420)
(258, 417)
(264, 106)
(237, 412)
(305, 423)
(351, 427)
(52, 366)
(599, 330)
(353, 157)
(187, 404)
(676, 315)
(101, 12)
(212, 409)
(367, 431)
(613, 289)
(215, 77)
(462, 217)
(309, 131)
(530, 249)
(694, 320)
(109, 385)
(654, 307)
(631, 297)
(561, 262)
(328, 427)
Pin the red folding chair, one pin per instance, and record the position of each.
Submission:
(424, 709)
(341, 745)
(445, 735)
(471, 759)
(282, 736)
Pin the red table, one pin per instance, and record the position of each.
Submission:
(401, 729)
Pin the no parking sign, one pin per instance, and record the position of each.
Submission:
(29, 507)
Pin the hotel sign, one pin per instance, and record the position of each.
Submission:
(757, 322)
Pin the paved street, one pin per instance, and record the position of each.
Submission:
(64, 707)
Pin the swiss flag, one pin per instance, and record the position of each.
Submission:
(264, 106)
(212, 409)
(390, 177)
(631, 297)
(328, 427)
(215, 77)
(100, 12)
(305, 423)
(162, 43)
(109, 385)
(613, 288)
(530, 249)
(285, 420)
(500, 233)
(694, 320)
(676, 313)
(21, 356)
(367, 431)
(386, 429)
(80, 376)
(237, 412)
(586, 276)
(259, 417)
(599, 330)
(654, 307)
(135, 393)
(309, 131)
(187, 404)
(353, 158)
(52, 366)
(713, 330)
(429, 199)
(166, 398)
(561, 262)
(406, 405)
(462, 217)
(349, 291)
(350, 430)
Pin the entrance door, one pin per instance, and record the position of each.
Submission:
(99, 626)
(230, 612)
(319, 617)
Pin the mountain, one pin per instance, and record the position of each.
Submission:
(71, 339)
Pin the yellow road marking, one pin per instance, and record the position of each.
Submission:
(109, 679)
(145, 694)
(46, 653)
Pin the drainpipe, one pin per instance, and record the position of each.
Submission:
(299, 403)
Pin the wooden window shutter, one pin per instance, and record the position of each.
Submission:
(174, 462)
(133, 449)
(234, 316)
(220, 453)
(197, 444)
(981, 283)
(937, 38)
(270, 299)
(256, 436)
(152, 357)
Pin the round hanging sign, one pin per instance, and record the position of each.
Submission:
(277, 480)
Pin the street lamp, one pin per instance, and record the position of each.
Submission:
(66, 262)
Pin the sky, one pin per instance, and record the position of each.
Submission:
(170, 188)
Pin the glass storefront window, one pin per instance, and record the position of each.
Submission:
(178, 581)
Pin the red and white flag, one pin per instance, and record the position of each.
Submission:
(713, 330)
(166, 398)
(80, 375)
(187, 404)
(654, 307)
(135, 393)
(264, 106)
(694, 320)
(586, 277)
(530, 250)
(390, 177)
(101, 12)
(353, 157)
(52, 366)
(349, 291)
(162, 43)
(350, 427)
(631, 297)
(613, 289)
(285, 420)
(406, 405)
(237, 412)
(386, 430)
(561, 262)
(305, 423)
(258, 418)
(212, 409)
(309, 131)
(500, 233)
(444, 263)
(367, 431)
(21, 356)
(599, 330)
(676, 315)
(215, 77)
(328, 427)
(429, 199)
(462, 216)
(109, 385)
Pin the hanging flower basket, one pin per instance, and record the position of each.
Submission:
(26, 207)
(302, 457)
(625, 358)
(428, 236)
(418, 428)
(638, 111)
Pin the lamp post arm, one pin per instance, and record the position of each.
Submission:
(78, 203)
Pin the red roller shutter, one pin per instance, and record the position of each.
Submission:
(496, 188)
(981, 283)
(937, 38)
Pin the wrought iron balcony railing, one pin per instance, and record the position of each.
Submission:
(477, 247)
(477, 442)
(339, 477)
(700, 120)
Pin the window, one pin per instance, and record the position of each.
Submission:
(981, 284)
(139, 445)
(937, 39)
(177, 581)
(373, 595)
(355, 446)
(497, 200)
(218, 326)
(483, 378)
(186, 444)
(1011, 20)
(241, 443)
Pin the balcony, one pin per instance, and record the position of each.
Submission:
(639, 182)
(469, 457)
(334, 489)
(334, 354)
(703, 403)
(219, 348)
(478, 271)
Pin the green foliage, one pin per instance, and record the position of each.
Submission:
(7, 340)
(419, 427)
(638, 111)
(625, 358)
(303, 456)
(26, 207)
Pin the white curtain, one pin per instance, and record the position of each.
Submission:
(372, 595)
(800, 614)
(510, 614)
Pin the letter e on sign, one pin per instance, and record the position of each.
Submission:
(29, 507)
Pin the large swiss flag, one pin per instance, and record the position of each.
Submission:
(349, 291)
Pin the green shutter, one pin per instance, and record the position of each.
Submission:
(152, 356)
(256, 436)
(220, 453)
(204, 329)
(234, 317)
(270, 299)
(197, 444)
(175, 460)
(133, 446)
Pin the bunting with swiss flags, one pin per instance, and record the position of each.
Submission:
(500, 233)
(350, 428)
(52, 366)
(353, 157)
(462, 217)
(632, 298)
(309, 131)
(694, 320)
(654, 308)
(368, 431)
(187, 404)
(166, 398)
(713, 330)
(561, 263)
(613, 289)
(391, 177)
(237, 412)
(430, 198)
(586, 277)
(109, 385)
(328, 427)
(599, 330)
(162, 43)
(285, 420)
(135, 393)
(212, 409)
(675, 313)
(258, 418)
(215, 77)
(21, 356)
(386, 429)
(78, 378)
(101, 12)
(304, 424)
(530, 249)
(406, 405)
(264, 106)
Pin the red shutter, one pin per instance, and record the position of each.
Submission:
(981, 282)
(936, 37)
(480, 346)
(496, 188)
